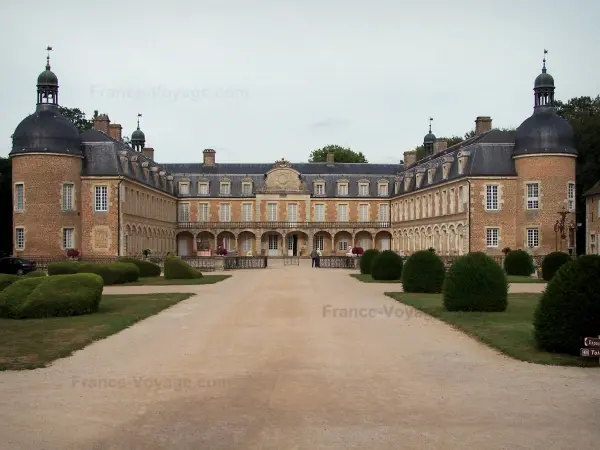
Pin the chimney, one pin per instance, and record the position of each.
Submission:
(114, 131)
(440, 144)
(330, 158)
(209, 157)
(148, 152)
(410, 158)
(101, 123)
(482, 125)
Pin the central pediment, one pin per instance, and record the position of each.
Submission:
(282, 178)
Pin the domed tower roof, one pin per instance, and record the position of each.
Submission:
(544, 131)
(46, 130)
(138, 138)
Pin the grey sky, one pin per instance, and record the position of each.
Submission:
(265, 79)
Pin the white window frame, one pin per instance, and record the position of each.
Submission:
(343, 245)
(383, 212)
(246, 212)
(382, 189)
(225, 188)
(342, 188)
(203, 207)
(342, 212)
(492, 201)
(294, 207)
(246, 188)
(19, 197)
(319, 188)
(532, 237)
(225, 212)
(492, 237)
(68, 234)
(101, 198)
(320, 212)
(68, 197)
(184, 188)
(320, 243)
(363, 212)
(203, 188)
(19, 236)
(532, 191)
(183, 213)
(272, 212)
(571, 196)
(363, 189)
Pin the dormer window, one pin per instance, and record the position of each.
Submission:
(446, 165)
(246, 188)
(203, 188)
(363, 189)
(225, 188)
(382, 189)
(342, 188)
(319, 188)
(407, 179)
(419, 177)
(463, 156)
(184, 188)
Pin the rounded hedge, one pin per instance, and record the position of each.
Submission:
(475, 282)
(6, 280)
(386, 265)
(518, 262)
(569, 309)
(552, 262)
(14, 295)
(366, 260)
(423, 272)
(35, 273)
(177, 269)
(147, 268)
(63, 267)
(111, 273)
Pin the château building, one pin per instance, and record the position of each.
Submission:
(93, 192)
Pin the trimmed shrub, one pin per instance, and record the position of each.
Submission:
(112, 273)
(552, 262)
(6, 280)
(63, 268)
(423, 272)
(366, 260)
(63, 295)
(475, 282)
(147, 268)
(387, 265)
(12, 297)
(36, 273)
(177, 269)
(518, 262)
(569, 309)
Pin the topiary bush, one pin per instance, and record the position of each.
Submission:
(386, 265)
(63, 267)
(366, 260)
(36, 273)
(518, 262)
(552, 262)
(6, 280)
(177, 269)
(475, 282)
(12, 297)
(63, 295)
(147, 268)
(423, 272)
(112, 273)
(569, 309)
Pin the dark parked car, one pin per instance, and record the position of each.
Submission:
(16, 266)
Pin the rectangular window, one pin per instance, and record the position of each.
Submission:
(342, 213)
(19, 197)
(184, 212)
(101, 198)
(492, 237)
(383, 189)
(67, 196)
(533, 196)
(184, 188)
(225, 188)
(491, 197)
(247, 212)
(272, 212)
(20, 238)
(225, 212)
(319, 189)
(68, 238)
(363, 213)
(533, 237)
(384, 212)
(444, 202)
(292, 212)
(202, 212)
(363, 189)
(320, 212)
(343, 245)
(203, 188)
(343, 189)
(571, 196)
(320, 243)
(246, 188)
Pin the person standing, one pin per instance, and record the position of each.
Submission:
(315, 258)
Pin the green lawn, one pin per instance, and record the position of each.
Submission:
(161, 281)
(369, 279)
(524, 279)
(510, 332)
(33, 343)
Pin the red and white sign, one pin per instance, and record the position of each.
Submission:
(591, 342)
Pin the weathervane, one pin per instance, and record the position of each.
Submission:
(544, 60)
(139, 115)
(430, 120)
(48, 49)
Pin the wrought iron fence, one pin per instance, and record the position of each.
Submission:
(339, 262)
(245, 262)
(291, 261)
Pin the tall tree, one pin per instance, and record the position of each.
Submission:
(6, 202)
(340, 154)
(76, 116)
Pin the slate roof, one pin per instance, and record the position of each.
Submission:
(594, 190)
(490, 155)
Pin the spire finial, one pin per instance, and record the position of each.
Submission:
(544, 61)
(430, 120)
(48, 49)
(139, 115)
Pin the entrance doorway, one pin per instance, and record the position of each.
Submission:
(292, 245)
(273, 245)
